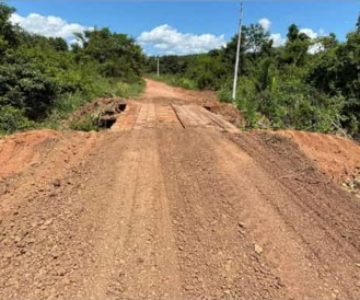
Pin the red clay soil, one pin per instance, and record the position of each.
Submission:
(338, 157)
(229, 112)
(23, 149)
(173, 203)
(39, 157)
(158, 91)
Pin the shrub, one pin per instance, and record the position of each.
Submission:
(26, 88)
(225, 94)
(127, 90)
(12, 119)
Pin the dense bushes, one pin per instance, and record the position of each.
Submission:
(42, 79)
(25, 87)
(193, 71)
(284, 87)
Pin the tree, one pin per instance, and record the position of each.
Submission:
(59, 44)
(117, 54)
(293, 33)
(358, 24)
(255, 38)
(329, 41)
(296, 47)
(207, 71)
(348, 80)
(256, 43)
(8, 32)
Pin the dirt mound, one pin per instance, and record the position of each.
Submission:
(22, 153)
(98, 105)
(104, 110)
(23, 149)
(39, 158)
(228, 111)
(338, 157)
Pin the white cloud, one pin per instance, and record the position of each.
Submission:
(316, 48)
(265, 23)
(168, 40)
(48, 26)
(277, 39)
(309, 32)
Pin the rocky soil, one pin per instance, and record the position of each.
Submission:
(174, 202)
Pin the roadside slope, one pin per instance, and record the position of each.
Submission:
(338, 157)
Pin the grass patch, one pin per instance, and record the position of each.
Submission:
(86, 123)
(225, 95)
(129, 90)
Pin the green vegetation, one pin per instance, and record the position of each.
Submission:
(86, 123)
(284, 87)
(43, 80)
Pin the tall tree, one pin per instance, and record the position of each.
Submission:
(293, 33)
(329, 41)
(117, 54)
(255, 38)
(8, 36)
(296, 47)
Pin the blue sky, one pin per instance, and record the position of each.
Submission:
(218, 19)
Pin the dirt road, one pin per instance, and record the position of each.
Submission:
(173, 203)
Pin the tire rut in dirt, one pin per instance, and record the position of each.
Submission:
(145, 260)
(216, 258)
(234, 203)
(315, 209)
(105, 235)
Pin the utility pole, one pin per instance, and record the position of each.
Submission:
(237, 62)
(158, 66)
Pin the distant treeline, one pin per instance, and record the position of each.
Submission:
(305, 84)
(43, 79)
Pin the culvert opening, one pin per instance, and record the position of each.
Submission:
(122, 106)
(107, 121)
(111, 112)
